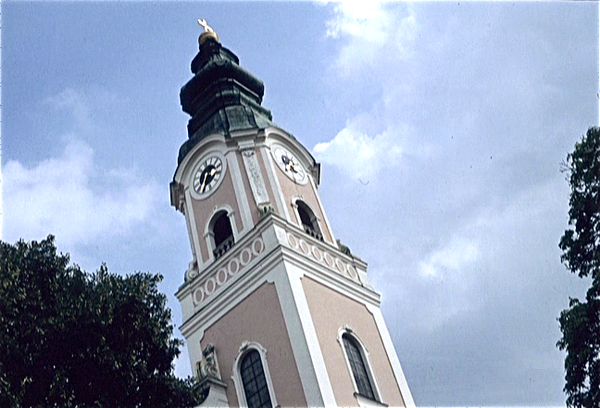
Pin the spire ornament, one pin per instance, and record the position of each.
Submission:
(208, 32)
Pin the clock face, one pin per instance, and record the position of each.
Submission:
(208, 175)
(289, 164)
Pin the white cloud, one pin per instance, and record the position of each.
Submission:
(59, 196)
(70, 195)
(373, 36)
(359, 155)
(76, 104)
(368, 29)
(450, 259)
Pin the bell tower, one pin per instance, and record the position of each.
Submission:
(276, 312)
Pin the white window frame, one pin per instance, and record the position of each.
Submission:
(364, 353)
(236, 376)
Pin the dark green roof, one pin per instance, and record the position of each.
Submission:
(222, 97)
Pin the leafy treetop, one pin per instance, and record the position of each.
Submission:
(76, 339)
(580, 323)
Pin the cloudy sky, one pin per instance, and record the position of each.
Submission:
(440, 128)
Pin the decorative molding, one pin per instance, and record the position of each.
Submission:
(197, 317)
(209, 365)
(237, 263)
(257, 183)
(265, 208)
(192, 271)
(324, 257)
(273, 229)
(177, 193)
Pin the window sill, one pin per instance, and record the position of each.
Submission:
(368, 402)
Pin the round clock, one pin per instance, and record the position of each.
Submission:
(208, 175)
(289, 164)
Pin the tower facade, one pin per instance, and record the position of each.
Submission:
(276, 312)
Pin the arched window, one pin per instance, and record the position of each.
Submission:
(222, 234)
(359, 367)
(255, 382)
(251, 377)
(308, 220)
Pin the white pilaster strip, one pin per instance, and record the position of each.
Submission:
(392, 356)
(310, 334)
(194, 228)
(275, 186)
(314, 187)
(188, 223)
(293, 324)
(240, 191)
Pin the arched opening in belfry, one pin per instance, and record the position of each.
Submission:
(308, 220)
(222, 234)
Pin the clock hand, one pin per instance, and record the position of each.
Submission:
(203, 183)
(206, 175)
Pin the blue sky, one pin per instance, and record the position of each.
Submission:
(440, 128)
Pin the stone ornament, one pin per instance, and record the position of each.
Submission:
(208, 365)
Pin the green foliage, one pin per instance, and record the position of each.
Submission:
(69, 338)
(580, 323)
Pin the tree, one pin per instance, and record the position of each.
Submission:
(580, 323)
(70, 338)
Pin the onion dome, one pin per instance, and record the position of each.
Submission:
(222, 97)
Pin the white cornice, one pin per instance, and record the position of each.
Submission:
(331, 279)
(248, 279)
(308, 262)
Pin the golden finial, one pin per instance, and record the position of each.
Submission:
(208, 32)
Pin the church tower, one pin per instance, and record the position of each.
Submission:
(276, 312)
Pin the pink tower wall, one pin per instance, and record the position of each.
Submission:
(330, 311)
(258, 318)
